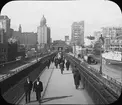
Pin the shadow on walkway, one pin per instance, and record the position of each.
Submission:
(66, 73)
(53, 98)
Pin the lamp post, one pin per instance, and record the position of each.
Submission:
(101, 43)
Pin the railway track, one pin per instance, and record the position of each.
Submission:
(45, 88)
(16, 93)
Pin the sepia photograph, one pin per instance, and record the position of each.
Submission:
(60, 52)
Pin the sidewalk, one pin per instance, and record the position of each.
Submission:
(60, 90)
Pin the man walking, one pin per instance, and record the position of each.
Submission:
(67, 64)
(77, 77)
(27, 88)
(56, 62)
(61, 67)
(38, 88)
(48, 63)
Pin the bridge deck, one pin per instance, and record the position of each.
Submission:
(60, 89)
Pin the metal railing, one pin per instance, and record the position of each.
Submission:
(112, 83)
(18, 69)
(100, 92)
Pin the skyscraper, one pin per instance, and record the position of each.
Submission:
(77, 36)
(43, 33)
(5, 26)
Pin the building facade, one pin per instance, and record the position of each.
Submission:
(5, 27)
(28, 39)
(43, 34)
(77, 35)
(4, 36)
(110, 34)
(67, 41)
(97, 35)
(116, 44)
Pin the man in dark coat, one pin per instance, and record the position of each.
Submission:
(77, 77)
(27, 88)
(67, 64)
(56, 62)
(48, 63)
(61, 67)
(38, 88)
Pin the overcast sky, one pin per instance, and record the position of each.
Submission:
(61, 14)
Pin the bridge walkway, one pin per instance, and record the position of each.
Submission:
(59, 89)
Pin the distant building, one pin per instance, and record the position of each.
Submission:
(48, 35)
(116, 44)
(97, 35)
(66, 38)
(67, 41)
(4, 36)
(110, 34)
(29, 39)
(77, 36)
(43, 33)
(17, 35)
(5, 27)
(50, 40)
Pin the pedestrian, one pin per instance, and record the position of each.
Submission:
(48, 63)
(77, 77)
(38, 88)
(67, 64)
(27, 88)
(63, 60)
(61, 67)
(56, 62)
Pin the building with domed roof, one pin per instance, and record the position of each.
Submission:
(43, 33)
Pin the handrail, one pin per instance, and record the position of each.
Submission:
(91, 78)
(18, 70)
(116, 86)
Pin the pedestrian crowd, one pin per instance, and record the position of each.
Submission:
(37, 86)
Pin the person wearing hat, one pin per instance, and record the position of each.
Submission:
(27, 88)
(38, 88)
(77, 77)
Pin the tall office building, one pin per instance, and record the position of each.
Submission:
(77, 36)
(5, 27)
(43, 33)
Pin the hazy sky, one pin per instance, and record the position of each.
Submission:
(61, 14)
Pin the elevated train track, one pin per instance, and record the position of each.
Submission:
(98, 90)
(12, 92)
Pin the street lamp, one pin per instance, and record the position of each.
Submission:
(101, 39)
